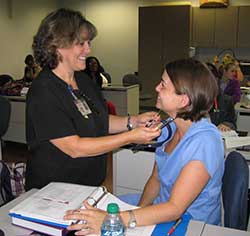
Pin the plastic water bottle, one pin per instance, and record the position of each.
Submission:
(112, 224)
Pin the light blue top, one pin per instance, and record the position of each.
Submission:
(202, 142)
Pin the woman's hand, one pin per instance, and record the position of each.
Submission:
(90, 218)
(145, 119)
(223, 127)
(144, 134)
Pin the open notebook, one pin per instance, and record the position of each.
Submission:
(47, 206)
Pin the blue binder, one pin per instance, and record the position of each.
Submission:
(163, 228)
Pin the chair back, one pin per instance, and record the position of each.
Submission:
(5, 109)
(131, 79)
(235, 191)
(5, 79)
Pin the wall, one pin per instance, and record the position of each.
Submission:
(19, 21)
(116, 20)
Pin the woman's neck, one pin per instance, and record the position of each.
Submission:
(65, 75)
(182, 126)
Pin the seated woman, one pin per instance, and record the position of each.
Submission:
(31, 69)
(230, 85)
(222, 113)
(187, 175)
(95, 71)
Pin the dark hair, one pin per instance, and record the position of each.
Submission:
(100, 69)
(28, 58)
(193, 78)
(59, 29)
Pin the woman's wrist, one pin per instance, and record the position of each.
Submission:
(131, 122)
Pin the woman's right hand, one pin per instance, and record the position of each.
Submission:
(143, 135)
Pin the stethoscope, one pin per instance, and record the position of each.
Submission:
(155, 144)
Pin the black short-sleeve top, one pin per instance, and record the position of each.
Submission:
(51, 113)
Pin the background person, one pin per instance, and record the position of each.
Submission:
(187, 174)
(31, 69)
(230, 85)
(66, 118)
(94, 70)
(222, 113)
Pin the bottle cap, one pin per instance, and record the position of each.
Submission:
(113, 208)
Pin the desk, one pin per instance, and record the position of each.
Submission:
(243, 117)
(212, 230)
(125, 99)
(5, 223)
(195, 228)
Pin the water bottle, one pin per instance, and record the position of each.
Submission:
(112, 224)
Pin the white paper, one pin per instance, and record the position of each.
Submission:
(51, 202)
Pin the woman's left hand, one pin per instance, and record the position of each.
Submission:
(90, 218)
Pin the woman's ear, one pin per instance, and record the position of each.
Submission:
(59, 55)
(184, 100)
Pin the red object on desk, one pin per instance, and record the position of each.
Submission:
(174, 227)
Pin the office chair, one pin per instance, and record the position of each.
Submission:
(5, 79)
(235, 191)
(131, 79)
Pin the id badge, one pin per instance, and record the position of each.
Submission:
(83, 107)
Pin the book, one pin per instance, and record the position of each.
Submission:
(41, 228)
(44, 210)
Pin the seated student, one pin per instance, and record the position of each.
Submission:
(31, 69)
(187, 175)
(95, 71)
(230, 85)
(222, 113)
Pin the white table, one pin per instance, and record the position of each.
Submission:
(243, 117)
(212, 230)
(195, 228)
(5, 222)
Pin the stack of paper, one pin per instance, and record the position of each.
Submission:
(232, 140)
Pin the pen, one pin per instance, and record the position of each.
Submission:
(174, 227)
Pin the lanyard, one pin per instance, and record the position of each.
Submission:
(80, 103)
(72, 93)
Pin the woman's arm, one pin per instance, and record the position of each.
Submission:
(118, 124)
(187, 187)
(151, 189)
(189, 184)
(76, 146)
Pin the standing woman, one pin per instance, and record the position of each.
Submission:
(188, 170)
(66, 117)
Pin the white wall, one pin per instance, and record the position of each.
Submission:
(116, 20)
(19, 21)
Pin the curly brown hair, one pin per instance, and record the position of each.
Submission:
(59, 29)
(193, 78)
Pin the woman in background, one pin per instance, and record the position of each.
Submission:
(187, 175)
(66, 117)
(31, 69)
(222, 113)
(230, 85)
(95, 71)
